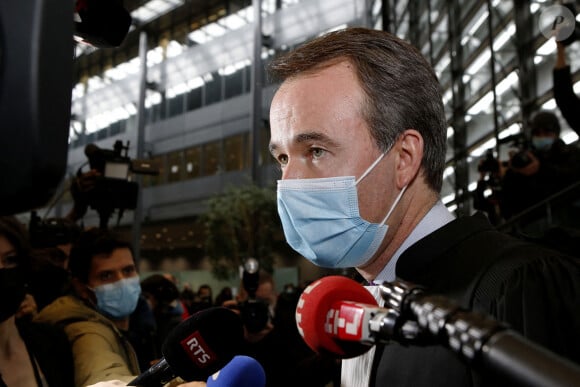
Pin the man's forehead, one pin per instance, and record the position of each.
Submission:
(119, 257)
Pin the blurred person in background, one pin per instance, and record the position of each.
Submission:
(163, 298)
(224, 295)
(272, 338)
(563, 88)
(31, 354)
(202, 299)
(548, 167)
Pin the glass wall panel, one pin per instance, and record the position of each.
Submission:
(234, 84)
(193, 162)
(211, 158)
(175, 105)
(248, 76)
(440, 34)
(213, 89)
(235, 152)
(194, 98)
(174, 166)
(153, 180)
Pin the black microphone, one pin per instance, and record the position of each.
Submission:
(197, 348)
(103, 23)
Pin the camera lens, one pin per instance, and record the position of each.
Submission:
(521, 159)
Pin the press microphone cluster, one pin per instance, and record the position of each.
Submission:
(197, 348)
(336, 315)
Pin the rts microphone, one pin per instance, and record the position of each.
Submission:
(242, 371)
(196, 348)
(333, 316)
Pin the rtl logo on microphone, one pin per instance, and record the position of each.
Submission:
(344, 321)
(197, 349)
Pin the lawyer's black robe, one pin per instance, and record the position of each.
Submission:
(535, 290)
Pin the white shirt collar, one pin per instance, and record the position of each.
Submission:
(437, 217)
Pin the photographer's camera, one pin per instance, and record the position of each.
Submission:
(255, 312)
(107, 186)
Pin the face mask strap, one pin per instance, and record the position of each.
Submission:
(369, 169)
(399, 196)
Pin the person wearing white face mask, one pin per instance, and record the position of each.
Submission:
(95, 319)
(359, 131)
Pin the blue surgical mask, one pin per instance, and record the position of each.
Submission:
(542, 143)
(321, 220)
(118, 299)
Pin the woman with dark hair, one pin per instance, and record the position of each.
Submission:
(31, 354)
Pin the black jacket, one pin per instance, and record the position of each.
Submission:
(51, 349)
(534, 290)
(566, 100)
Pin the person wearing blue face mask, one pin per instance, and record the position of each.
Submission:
(358, 129)
(550, 167)
(96, 317)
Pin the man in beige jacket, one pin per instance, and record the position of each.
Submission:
(106, 290)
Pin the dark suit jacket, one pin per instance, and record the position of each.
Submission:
(534, 290)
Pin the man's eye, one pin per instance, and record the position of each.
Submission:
(105, 276)
(129, 270)
(317, 152)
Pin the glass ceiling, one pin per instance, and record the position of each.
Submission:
(154, 9)
(113, 93)
(117, 87)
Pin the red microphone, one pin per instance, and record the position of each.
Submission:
(334, 316)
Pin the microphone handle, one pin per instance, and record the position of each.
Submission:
(156, 376)
(477, 338)
(526, 362)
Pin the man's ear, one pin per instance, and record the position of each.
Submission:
(82, 291)
(410, 155)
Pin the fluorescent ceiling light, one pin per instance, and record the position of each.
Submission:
(153, 9)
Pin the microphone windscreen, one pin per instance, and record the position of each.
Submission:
(103, 23)
(204, 343)
(242, 371)
(315, 303)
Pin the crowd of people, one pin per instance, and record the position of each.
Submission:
(360, 140)
(79, 314)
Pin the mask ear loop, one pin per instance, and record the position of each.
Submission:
(399, 196)
(369, 169)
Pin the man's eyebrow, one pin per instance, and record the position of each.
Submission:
(308, 137)
(313, 136)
